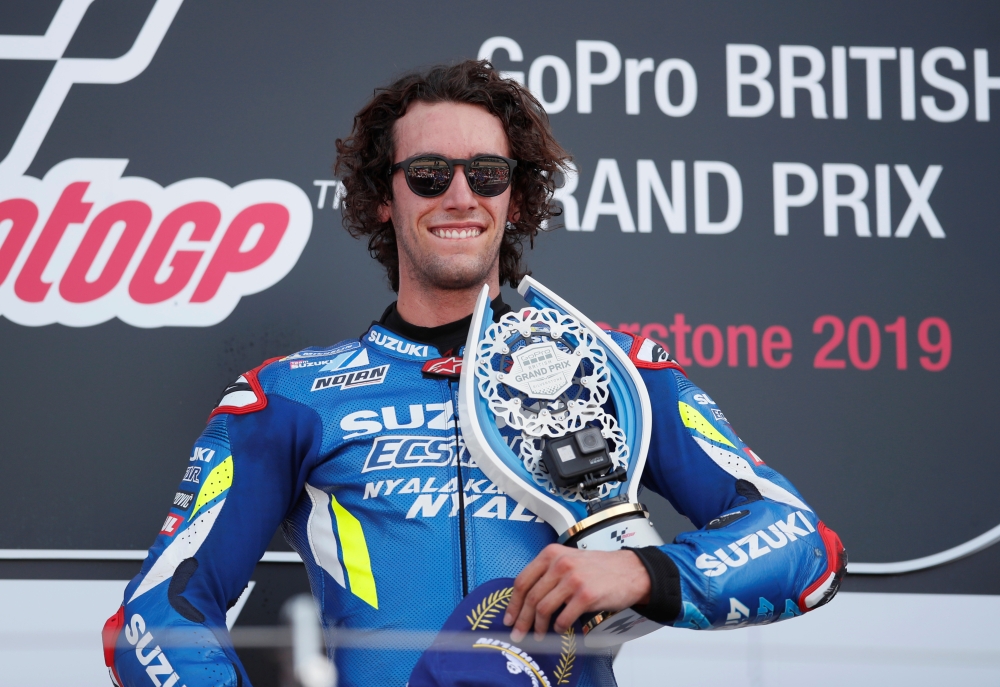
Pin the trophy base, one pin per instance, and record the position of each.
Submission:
(624, 525)
(612, 628)
(616, 527)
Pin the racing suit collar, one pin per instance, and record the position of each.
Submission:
(447, 338)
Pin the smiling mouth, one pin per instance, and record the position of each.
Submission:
(461, 233)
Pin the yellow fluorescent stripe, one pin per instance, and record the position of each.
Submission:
(696, 421)
(218, 480)
(355, 552)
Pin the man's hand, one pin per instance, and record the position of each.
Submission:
(582, 580)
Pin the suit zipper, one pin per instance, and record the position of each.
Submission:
(461, 495)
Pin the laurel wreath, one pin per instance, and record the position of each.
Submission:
(483, 615)
(566, 657)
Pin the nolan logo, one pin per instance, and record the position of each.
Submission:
(171, 524)
(182, 500)
(391, 343)
(349, 380)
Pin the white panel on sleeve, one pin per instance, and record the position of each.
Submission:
(738, 467)
(180, 549)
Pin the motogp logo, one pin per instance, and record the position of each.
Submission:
(86, 244)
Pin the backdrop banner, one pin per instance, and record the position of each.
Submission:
(798, 201)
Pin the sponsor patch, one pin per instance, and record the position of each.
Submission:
(444, 367)
(324, 352)
(727, 519)
(191, 475)
(343, 361)
(171, 524)
(350, 380)
(182, 500)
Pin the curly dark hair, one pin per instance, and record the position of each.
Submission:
(364, 157)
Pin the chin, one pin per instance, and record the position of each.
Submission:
(459, 274)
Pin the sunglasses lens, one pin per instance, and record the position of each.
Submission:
(428, 176)
(489, 176)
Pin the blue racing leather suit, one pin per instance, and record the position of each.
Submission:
(352, 450)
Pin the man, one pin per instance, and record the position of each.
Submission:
(355, 449)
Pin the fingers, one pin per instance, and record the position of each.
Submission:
(577, 581)
(548, 605)
(529, 609)
(526, 580)
(578, 604)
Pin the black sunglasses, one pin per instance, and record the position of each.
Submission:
(430, 175)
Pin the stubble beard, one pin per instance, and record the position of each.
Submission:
(448, 272)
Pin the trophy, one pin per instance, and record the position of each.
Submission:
(551, 373)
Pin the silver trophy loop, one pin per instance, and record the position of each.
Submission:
(550, 373)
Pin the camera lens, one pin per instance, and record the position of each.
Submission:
(590, 440)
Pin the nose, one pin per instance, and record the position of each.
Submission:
(459, 197)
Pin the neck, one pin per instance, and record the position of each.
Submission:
(427, 306)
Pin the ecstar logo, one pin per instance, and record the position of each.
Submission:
(86, 244)
(410, 452)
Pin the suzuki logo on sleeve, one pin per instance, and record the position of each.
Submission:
(203, 454)
(760, 543)
(85, 244)
(149, 654)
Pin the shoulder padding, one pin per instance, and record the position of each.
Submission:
(646, 353)
(245, 395)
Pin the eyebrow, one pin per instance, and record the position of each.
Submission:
(478, 154)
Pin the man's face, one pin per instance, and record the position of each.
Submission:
(451, 241)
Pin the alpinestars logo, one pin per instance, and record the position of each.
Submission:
(444, 367)
(85, 244)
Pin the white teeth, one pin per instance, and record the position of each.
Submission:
(457, 233)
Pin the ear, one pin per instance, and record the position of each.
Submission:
(385, 211)
(514, 208)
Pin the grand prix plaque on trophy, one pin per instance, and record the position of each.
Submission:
(584, 417)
